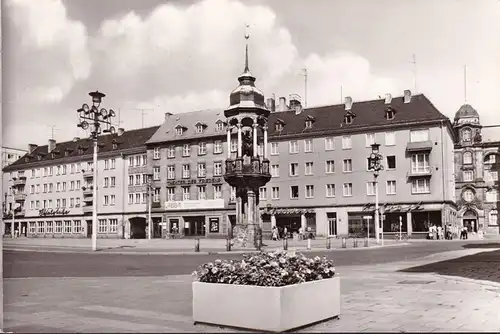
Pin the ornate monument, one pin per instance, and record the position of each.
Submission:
(246, 170)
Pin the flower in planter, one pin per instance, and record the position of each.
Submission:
(266, 269)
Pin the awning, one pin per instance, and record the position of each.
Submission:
(419, 146)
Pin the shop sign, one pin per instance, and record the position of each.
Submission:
(194, 181)
(52, 212)
(194, 204)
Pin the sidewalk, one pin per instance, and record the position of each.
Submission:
(374, 298)
(174, 246)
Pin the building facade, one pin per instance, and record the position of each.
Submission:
(11, 155)
(52, 188)
(476, 176)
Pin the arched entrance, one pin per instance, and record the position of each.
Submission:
(469, 220)
(137, 228)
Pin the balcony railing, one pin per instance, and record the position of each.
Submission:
(20, 181)
(88, 173)
(421, 172)
(255, 167)
(87, 208)
(88, 190)
(19, 197)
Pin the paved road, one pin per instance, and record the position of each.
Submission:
(46, 264)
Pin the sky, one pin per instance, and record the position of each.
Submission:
(151, 57)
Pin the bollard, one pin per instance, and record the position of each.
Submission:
(355, 242)
(328, 243)
(228, 244)
(197, 245)
(366, 242)
(309, 243)
(344, 242)
(258, 244)
(285, 243)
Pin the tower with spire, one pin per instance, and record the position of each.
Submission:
(247, 170)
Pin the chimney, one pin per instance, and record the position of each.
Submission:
(388, 98)
(52, 145)
(282, 106)
(348, 103)
(76, 139)
(120, 131)
(407, 96)
(295, 103)
(167, 115)
(271, 104)
(31, 148)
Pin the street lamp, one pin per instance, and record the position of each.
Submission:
(150, 203)
(376, 166)
(99, 121)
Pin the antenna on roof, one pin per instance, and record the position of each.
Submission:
(465, 83)
(143, 113)
(304, 73)
(414, 62)
(53, 129)
(341, 95)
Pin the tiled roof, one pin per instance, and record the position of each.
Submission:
(167, 131)
(128, 140)
(368, 114)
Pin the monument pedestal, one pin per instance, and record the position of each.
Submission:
(244, 235)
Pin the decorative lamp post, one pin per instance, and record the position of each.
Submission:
(376, 166)
(98, 121)
(150, 203)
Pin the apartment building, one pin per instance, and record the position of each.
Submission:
(52, 187)
(319, 166)
(186, 158)
(476, 178)
(10, 155)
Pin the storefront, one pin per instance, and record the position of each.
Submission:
(290, 218)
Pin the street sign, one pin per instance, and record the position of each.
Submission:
(367, 217)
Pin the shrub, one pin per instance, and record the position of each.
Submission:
(266, 269)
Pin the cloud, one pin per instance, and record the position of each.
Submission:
(47, 51)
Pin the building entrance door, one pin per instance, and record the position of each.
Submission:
(471, 225)
(194, 226)
(24, 229)
(332, 223)
(89, 228)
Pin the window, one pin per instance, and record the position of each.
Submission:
(419, 135)
(329, 144)
(294, 169)
(137, 179)
(112, 199)
(131, 161)
(77, 200)
(330, 166)
(420, 163)
(232, 196)
(102, 227)
(137, 198)
(156, 195)
(186, 150)
(308, 170)
(71, 202)
(171, 152)
(156, 173)
(490, 159)
(234, 145)
(64, 202)
(330, 190)
(309, 191)
(202, 148)
(113, 181)
(347, 189)
(467, 158)
(202, 169)
(391, 162)
(59, 227)
(64, 169)
(308, 145)
(421, 186)
(263, 193)
(274, 148)
(202, 192)
(144, 159)
(294, 192)
(37, 204)
(493, 217)
(41, 228)
(466, 135)
(45, 187)
(179, 130)
(72, 185)
(77, 185)
(186, 172)
(32, 227)
(186, 193)
(144, 178)
(217, 191)
(156, 153)
(44, 203)
(171, 172)
(77, 226)
(217, 168)
(37, 188)
(309, 124)
(106, 200)
(199, 128)
(32, 189)
(369, 139)
(468, 175)
(278, 127)
(346, 142)
(293, 146)
(113, 163)
(130, 198)
(106, 164)
(492, 176)
(492, 195)
(219, 126)
(51, 171)
(347, 165)
(49, 227)
(45, 171)
(58, 203)
(64, 186)
(275, 193)
(106, 182)
(390, 138)
(391, 187)
(137, 160)
(170, 194)
(217, 147)
(113, 225)
(57, 173)
(131, 180)
(67, 226)
(275, 170)
(370, 188)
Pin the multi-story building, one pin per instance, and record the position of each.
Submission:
(320, 178)
(10, 155)
(52, 187)
(476, 178)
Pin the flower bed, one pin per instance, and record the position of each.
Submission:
(266, 291)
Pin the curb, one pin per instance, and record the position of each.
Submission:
(107, 250)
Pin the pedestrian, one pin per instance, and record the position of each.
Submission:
(275, 233)
(285, 233)
(439, 232)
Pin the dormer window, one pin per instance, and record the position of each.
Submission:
(39, 157)
(348, 118)
(179, 130)
(278, 127)
(199, 128)
(27, 159)
(390, 113)
(466, 135)
(219, 126)
(80, 150)
(115, 146)
(309, 122)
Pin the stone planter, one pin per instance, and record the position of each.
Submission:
(272, 309)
